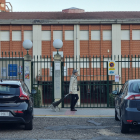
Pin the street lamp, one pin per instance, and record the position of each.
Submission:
(27, 44)
(57, 44)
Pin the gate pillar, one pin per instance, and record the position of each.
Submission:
(57, 78)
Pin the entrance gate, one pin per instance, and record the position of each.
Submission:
(42, 81)
(94, 82)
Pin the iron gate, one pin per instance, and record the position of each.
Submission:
(43, 80)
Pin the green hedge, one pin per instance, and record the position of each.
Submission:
(111, 100)
(37, 98)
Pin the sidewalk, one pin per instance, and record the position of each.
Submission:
(81, 112)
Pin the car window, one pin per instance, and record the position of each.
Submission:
(9, 89)
(135, 87)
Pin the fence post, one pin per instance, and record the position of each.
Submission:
(107, 87)
(27, 71)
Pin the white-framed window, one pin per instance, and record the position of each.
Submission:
(28, 35)
(125, 34)
(95, 62)
(69, 62)
(126, 63)
(69, 35)
(135, 34)
(84, 35)
(46, 35)
(107, 35)
(5, 36)
(16, 35)
(57, 35)
(95, 35)
(46, 63)
(136, 64)
(84, 62)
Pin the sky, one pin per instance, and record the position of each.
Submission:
(87, 5)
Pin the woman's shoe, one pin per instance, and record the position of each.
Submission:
(73, 110)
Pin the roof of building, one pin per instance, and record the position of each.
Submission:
(61, 15)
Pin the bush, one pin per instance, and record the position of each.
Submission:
(111, 100)
(37, 98)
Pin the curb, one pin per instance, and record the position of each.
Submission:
(75, 116)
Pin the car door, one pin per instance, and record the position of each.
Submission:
(118, 100)
(121, 98)
(125, 91)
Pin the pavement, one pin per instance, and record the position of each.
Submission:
(81, 112)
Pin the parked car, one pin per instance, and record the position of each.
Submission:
(16, 103)
(127, 105)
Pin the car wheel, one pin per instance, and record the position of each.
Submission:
(124, 127)
(29, 126)
(116, 117)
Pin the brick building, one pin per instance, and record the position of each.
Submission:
(99, 34)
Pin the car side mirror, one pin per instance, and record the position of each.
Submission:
(33, 91)
(115, 92)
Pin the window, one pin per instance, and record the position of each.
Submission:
(28, 35)
(84, 35)
(135, 87)
(69, 35)
(95, 62)
(16, 35)
(95, 35)
(125, 63)
(107, 35)
(57, 35)
(84, 62)
(5, 36)
(46, 35)
(135, 34)
(125, 35)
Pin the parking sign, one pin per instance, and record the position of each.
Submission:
(111, 67)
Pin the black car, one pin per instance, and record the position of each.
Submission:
(16, 103)
(127, 105)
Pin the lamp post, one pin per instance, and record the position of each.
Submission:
(27, 44)
(57, 44)
(57, 71)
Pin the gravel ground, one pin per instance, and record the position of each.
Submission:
(40, 130)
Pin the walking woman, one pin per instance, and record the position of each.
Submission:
(73, 90)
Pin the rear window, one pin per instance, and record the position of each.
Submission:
(9, 89)
(135, 87)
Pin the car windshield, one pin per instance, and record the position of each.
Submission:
(135, 87)
(9, 89)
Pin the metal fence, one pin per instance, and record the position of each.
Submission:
(12, 66)
(94, 82)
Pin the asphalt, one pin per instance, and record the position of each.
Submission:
(81, 112)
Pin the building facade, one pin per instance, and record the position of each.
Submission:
(86, 36)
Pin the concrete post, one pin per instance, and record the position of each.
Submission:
(27, 71)
(57, 78)
(116, 48)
